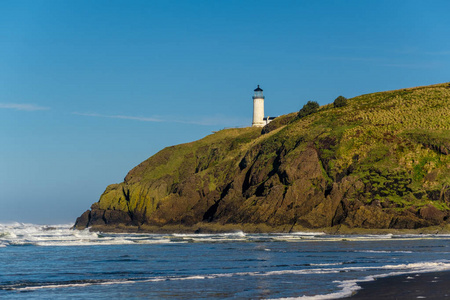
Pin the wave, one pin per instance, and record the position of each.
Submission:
(53, 285)
(381, 251)
(347, 287)
(24, 234)
(206, 235)
(326, 264)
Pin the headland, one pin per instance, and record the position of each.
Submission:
(374, 163)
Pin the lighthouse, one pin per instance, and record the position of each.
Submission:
(258, 108)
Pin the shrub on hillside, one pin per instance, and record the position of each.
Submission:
(307, 109)
(340, 101)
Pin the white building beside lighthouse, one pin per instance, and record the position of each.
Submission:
(258, 109)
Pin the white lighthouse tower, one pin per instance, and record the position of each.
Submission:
(258, 108)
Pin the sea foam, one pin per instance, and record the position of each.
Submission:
(24, 234)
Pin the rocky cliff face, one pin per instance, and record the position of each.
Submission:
(380, 162)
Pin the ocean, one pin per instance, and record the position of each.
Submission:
(56, 262)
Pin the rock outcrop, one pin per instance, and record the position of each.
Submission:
(379, 162)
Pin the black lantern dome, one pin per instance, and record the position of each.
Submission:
(258, 93)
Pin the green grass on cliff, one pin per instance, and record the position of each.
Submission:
(205, 153)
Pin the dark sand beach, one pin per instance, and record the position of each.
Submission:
(434, 285)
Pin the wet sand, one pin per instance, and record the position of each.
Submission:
(412, 286)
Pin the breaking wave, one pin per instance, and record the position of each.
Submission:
(23, 234)
(347, 286)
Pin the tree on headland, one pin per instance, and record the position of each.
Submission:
(340, 101)
(307, 109)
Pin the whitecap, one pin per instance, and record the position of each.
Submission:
(327, 264)
(308, 233)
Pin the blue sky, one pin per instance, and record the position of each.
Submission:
(89, 89)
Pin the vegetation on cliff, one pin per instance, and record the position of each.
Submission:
(379, 161)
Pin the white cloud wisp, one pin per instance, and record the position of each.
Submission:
(202, 121)
(22, 107)
(142, 119)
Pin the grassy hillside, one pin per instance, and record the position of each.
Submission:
(396, 141)
(381, 161)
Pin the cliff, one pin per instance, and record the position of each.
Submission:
(381, 161)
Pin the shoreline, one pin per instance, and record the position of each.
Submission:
(211, 228)
(433, 285)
